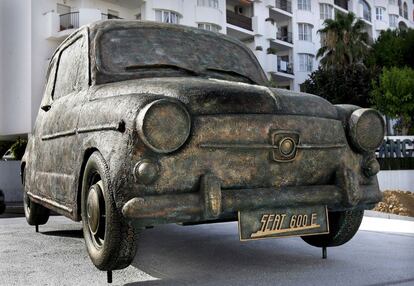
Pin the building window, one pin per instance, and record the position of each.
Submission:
(379, 11)
(112, 14)
(392, 2)
(165, 16)
(208, 3)
(68, 18)
(400, 8)
(305, 32)
(393, 20)
(405, 10)
(284, 87)
(209, 27)
(326, 11)
(304, 5)
(305, 62)
(366, 10)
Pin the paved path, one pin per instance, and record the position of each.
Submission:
(202, 255)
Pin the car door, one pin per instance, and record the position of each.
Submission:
(56, 171)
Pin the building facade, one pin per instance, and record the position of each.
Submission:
(281, 33)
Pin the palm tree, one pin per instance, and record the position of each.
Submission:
(345, 41)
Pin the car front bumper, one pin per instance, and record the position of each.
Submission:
(212, 202)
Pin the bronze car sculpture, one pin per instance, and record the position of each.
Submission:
(143, 124)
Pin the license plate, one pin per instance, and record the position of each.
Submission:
(283, 222)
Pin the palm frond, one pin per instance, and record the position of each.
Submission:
(346, 41)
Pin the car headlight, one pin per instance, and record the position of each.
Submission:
(367, 129)
(164, 125)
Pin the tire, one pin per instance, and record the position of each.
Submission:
(110, 240)
(2, 203)
(35, 213)
(342, 227)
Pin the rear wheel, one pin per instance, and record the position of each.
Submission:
(2, 203)
(342, 227)
(110, 240)
(35, 213)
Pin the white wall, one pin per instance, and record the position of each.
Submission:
(10, 182)
(1, 64)
(396, 180)
(124, 11)
(15, 37)
(42, 50)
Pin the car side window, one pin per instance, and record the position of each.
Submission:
(50, 78)
(72, 69)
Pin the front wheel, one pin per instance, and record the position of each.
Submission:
(342, 227)
(110, 240)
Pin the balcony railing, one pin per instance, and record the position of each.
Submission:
(285, 67)
(284, 5)
(239, 20)
(286, 37)
(366, 15)
(69, 21)
(341, 3)
(109, 16)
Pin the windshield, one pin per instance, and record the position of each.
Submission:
(152, 51)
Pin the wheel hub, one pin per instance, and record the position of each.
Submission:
(93, 208)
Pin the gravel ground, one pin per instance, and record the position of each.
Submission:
(397, 202)
(202, 255)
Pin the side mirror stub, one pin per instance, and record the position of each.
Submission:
(46, 107)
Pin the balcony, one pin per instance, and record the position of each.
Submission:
(284, 5)
(58, 27)
(239, 20)
(284, 67)
(367, 17)
(69, 21)
(285, 37)
(341, 3)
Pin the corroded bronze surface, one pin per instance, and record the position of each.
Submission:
(219, 140)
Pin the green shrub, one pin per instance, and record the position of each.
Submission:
(393, 95)
(18, 148)
(4, 146)
(341, 85)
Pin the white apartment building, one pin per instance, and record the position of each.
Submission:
(282, 34)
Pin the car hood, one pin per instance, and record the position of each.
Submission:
(212, 96)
